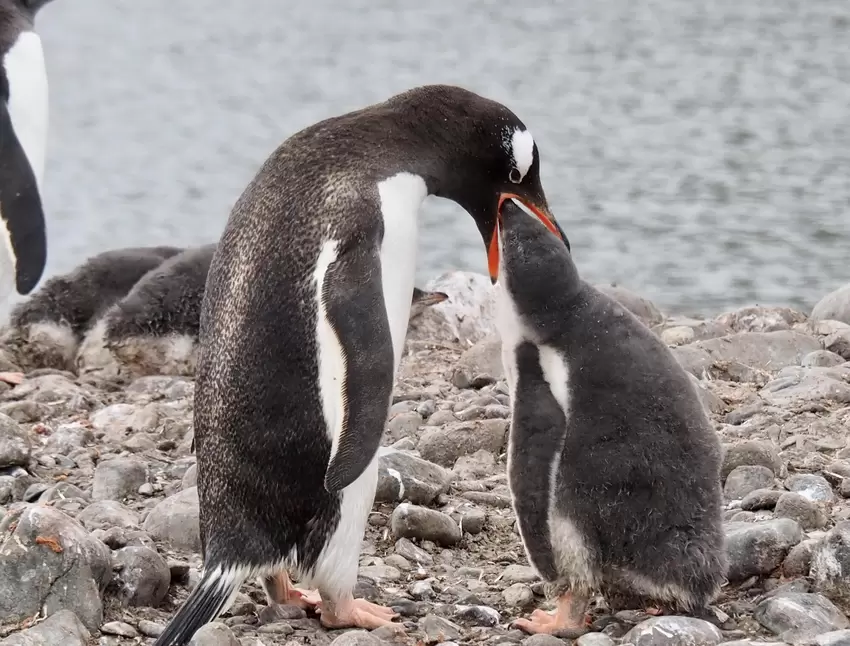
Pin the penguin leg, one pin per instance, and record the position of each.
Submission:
(360, 613)
(569, 617)
(279, 589)
(13, 378)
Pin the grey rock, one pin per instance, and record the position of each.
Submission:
(68, 438)
(759, 318)
(798, 385)
(799, 560)
(15, 444)
(673, 631)
(594, 639)
(804, 511)
(443, 446)
(190, 478)
(357, 638)
(518, 595)
(797, 616)
(830, 566)
(834, 638)
(759, 548)
(214, 634)
(835, 306)
(746, 479)
(411, 521)
(118, 478)
(441, 417)
(62, 565)
(810, 486)
(104, 514)
(438, 629)
(478, 465)
(542, 640)
(142, 576)
(822, 359)
(483, 358)
(404, 547)
(749, 452)
(760, 350)
(402, 476)
(472, 521)
(403, 425)
(175, 521)
(516, 573)
(380, 573)
(478, 615)
(119, 628)
(761, 499)
(641, 307)
(113, 421)
(61, 628)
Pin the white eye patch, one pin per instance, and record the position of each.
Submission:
(522, 151)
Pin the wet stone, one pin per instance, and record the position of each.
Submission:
(810, 486)
(799, 615)
(746, 479)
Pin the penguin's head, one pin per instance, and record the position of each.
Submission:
(533, 254)
(491, 157)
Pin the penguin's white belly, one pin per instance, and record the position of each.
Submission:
(27, 75)
(401, 196)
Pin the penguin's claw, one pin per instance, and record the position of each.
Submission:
(358, 613)
(568, 620)
(13, 378)
(654, 611)
(303, 598)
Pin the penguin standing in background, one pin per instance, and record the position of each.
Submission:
(302, 329)
(613, 465)
(23, 143)
(46, 329)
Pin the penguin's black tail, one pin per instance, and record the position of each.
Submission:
(212, 596)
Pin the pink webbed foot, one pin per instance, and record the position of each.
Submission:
(358, 613)
(279, 589)
(569, 617)
(13, 378)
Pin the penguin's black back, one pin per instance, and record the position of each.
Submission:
(166, 300)
(78, 297)
(639, 471)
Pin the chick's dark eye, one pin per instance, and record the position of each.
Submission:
(514, 176)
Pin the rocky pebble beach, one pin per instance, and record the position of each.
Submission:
(99, 530)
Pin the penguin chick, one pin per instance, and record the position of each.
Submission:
(154, 328)
(45, 329)
(613, 465)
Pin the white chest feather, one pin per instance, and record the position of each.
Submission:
(401, 197)
(27, 75)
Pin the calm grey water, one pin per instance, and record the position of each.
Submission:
(697, 152)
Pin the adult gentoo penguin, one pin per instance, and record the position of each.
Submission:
(302, 329)
(23, 141)
(613, 466)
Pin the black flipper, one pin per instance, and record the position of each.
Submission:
(537, 438)
(208, 600)
(354, 304)
(20, 207)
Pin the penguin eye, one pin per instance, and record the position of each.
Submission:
(515, 176)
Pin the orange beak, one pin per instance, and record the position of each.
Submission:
(493, 251)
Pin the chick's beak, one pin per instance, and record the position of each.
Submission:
(542, 212)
